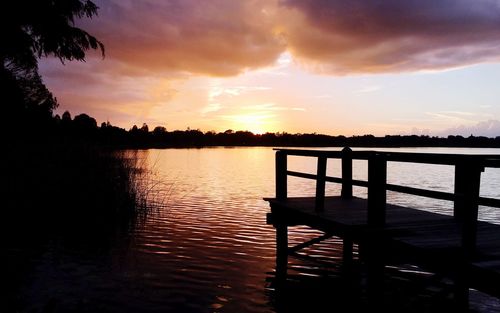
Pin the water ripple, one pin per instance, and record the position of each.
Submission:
(209, 249)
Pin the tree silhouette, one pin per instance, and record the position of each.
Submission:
(159, 131)
(31, 29)
(144, 128)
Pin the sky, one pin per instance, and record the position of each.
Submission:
(381, 67)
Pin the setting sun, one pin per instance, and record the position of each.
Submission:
(288, 66)
(257, 123)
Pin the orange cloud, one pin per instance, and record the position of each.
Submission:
(216, 37)
(95, 87)
(227, 37)
(151, 45)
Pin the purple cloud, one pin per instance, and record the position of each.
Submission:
(392, 35)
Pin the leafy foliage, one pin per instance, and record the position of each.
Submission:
(29, 30)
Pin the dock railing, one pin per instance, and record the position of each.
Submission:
(466, 196)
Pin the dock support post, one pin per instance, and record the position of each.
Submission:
(377, 192)
(375, 266)
(461, 288)
(281, 175)
(281, 251)
(346, 192)
(281, 228)
(347, 253)
(320, 184)
(374, 245)
(465, 209)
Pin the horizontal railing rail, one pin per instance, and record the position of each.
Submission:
(488, 160)
(466, 199)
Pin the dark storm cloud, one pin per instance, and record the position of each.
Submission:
(393, 35)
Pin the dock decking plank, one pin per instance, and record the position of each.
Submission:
(408, 232)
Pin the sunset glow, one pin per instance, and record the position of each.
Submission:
(256, 123)
(295, 66)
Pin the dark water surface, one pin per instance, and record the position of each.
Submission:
(205, 245)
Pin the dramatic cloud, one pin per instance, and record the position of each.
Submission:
(216, 37)
(226, 37)
(336, 36)
(154, 49)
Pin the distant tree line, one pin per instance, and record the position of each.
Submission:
(85, 128)
(31, 29)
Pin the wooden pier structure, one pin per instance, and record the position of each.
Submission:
(457, 246)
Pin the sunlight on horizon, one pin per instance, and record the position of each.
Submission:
(291, 73)
(286, 98)
(255, 123)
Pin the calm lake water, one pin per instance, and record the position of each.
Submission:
(205, 245)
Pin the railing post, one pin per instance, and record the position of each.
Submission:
(281, 175)
(346, 192)
(377, 179)
(465, 209)
(320, 184)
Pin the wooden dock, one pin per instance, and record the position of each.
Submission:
(457, 246)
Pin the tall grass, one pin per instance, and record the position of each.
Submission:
(77, 199)
(73, 187)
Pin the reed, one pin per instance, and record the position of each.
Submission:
(76, 187)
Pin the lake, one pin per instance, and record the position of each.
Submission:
(205, 245)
